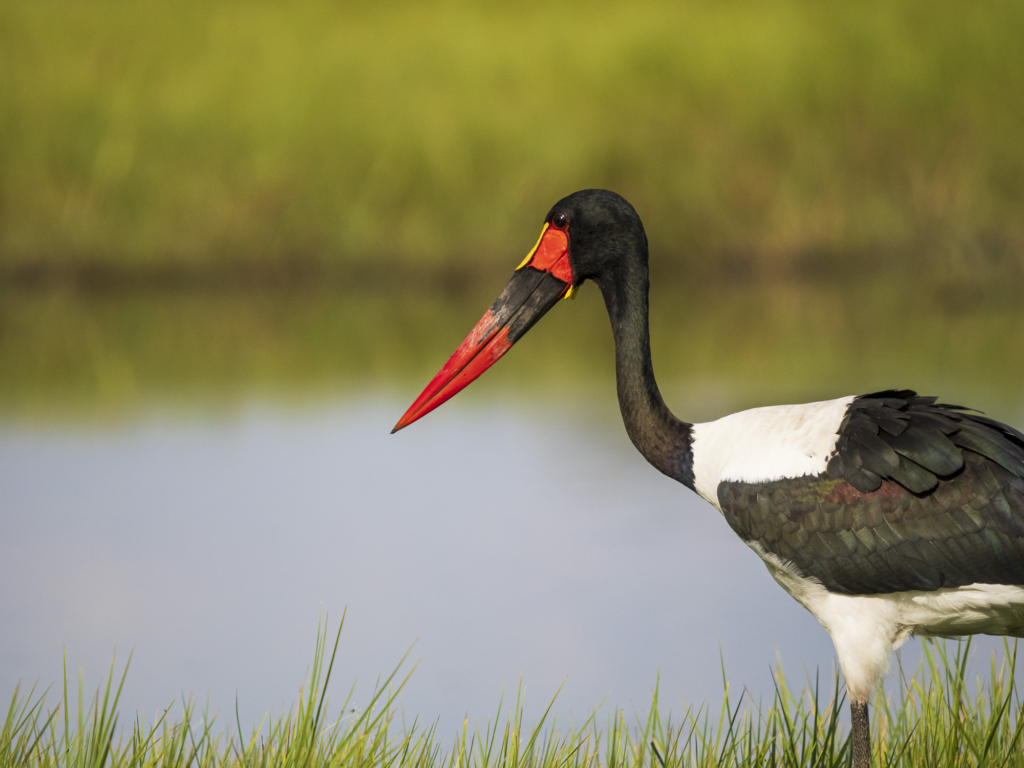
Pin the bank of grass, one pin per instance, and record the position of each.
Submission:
(936, 718)
(772, 136)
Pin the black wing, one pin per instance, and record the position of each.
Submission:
(917, 496)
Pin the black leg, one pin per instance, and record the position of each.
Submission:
(861, 734)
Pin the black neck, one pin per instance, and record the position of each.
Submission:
(663, 439)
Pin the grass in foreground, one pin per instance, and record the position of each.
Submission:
(934, 720)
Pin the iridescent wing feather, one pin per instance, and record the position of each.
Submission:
(917, 496)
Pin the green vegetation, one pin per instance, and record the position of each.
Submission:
(227, 197)
(933, 721)
(800, 135)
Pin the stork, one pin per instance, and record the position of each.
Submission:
(886, 516)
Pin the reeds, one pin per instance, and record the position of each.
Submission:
(932, 719)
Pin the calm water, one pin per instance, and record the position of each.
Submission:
(158, 493)
(499, 540)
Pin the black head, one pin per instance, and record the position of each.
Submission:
(606, 238)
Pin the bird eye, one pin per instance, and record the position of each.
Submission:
(560, 221)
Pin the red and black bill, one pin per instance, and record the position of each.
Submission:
(538, 283)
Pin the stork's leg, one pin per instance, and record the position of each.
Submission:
(861, 734)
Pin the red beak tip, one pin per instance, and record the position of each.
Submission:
(404, 422)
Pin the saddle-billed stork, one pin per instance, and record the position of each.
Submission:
(886, 515)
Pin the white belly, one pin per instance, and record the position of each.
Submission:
(867, 628)
(977, 609)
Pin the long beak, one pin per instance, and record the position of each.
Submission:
(538, 283)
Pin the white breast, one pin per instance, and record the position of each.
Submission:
(765, 444)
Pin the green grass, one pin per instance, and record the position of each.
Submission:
(933, 720)
(390, 163)
(774, 137)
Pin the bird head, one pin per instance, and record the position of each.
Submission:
(589, 235)
(604, 234)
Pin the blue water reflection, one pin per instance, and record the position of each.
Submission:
(503, 541)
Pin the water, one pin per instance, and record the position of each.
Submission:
(198, 479)
(499, 541)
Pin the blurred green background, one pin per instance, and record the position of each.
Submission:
(210, 200)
